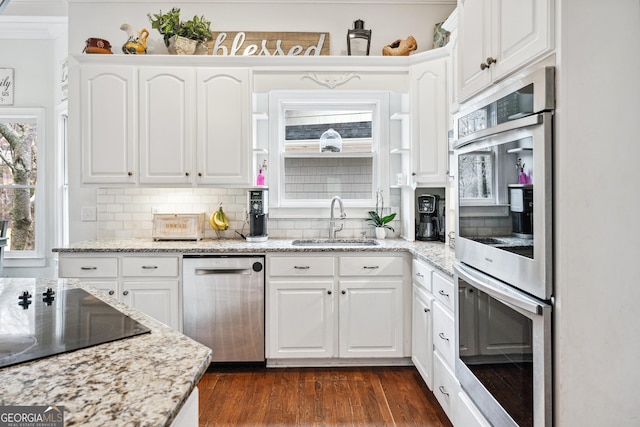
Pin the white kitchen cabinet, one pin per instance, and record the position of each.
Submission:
(107, 99)
(224, 136)
(446, 388)
(429, 121)
(497, 37)
(300, 319)
(422, 334)
(371, 318)
(166, 124)
(150, 284)
(326, 306)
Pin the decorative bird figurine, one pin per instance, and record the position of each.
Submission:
(137, 43)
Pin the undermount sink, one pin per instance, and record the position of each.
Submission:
(336, 242)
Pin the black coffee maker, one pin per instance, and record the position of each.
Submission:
(428, 227)
(258, 205)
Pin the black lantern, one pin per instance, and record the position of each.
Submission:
(358, 39)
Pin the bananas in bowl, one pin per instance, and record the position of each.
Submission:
(218, 220)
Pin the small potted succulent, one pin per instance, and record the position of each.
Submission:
(181, 37)
(378, 219)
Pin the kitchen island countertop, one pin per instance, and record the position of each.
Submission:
(440, 255)
(143, 380)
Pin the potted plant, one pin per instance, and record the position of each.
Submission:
(378, 219)
(181, 37)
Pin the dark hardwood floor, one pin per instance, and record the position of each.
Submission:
(362, 396)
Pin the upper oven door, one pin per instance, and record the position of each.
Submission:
(504, 217)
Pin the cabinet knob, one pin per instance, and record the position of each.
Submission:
(125, 293)
(426, 310)
(329, 292)
(130, 173)
(200, 174)
(186, 174)
(344, 292)
(491, 60)
(112, 292)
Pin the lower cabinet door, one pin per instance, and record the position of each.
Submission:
(300, 320)
(371, 318)
(445, 387)
(158, 299)
(422, 334)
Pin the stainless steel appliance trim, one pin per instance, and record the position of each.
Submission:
(500, 291)
(205, 271)
(532, 120)
(540, 314)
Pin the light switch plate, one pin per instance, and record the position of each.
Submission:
(88, 213)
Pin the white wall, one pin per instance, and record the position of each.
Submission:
(36, 64)
(597, 316)
(388, 22)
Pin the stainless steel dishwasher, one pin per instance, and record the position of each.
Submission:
(223, 305)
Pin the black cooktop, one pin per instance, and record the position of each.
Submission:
(37, 325)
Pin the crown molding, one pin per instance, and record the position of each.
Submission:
(32, 27)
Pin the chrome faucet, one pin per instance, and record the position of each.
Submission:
(332, 221)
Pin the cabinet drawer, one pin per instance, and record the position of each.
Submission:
(444, 333)
(150, 266)
(301, 266)
(442, 289)
(445, 387)
(371, 266)
(422, 274)
(82, 267)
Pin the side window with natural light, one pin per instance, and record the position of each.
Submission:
(20, 132)
(326, 148)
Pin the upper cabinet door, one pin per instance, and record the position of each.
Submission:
(474, 46)
(108, 119)
(522, 31)
(498, 37)
(166, 125)
(224, 126)
(429, 118)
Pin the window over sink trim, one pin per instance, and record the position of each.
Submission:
(376, 157)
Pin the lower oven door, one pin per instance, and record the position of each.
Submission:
(503, 359)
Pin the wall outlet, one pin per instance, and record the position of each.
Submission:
(89, 213)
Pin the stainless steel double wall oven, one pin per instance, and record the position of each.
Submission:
(504, 242)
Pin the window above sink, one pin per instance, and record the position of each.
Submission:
(324, 144)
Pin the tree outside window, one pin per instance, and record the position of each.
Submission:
(18, 165)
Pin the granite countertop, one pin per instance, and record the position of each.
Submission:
(438, 254)
(143, 380)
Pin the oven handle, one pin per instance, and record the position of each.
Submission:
(500, 291)
(532, 120)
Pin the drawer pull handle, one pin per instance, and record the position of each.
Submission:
(443, 390)
(443, 293)
(301, 267)
(149, 267)
(371, 267)
(88, 268)
(443, 336)
(419, 275)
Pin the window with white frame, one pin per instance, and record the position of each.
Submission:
(21, 153)
(326, 144)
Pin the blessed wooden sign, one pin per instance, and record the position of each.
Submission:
(247, 43)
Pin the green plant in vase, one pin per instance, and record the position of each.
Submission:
(378, 219)
(181, 37)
